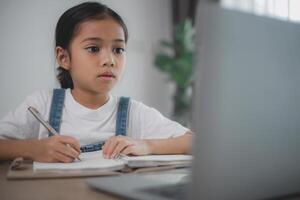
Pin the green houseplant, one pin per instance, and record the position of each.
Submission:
(176, 59)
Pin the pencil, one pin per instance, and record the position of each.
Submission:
(38, 116)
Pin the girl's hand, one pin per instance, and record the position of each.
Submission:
(116, 145)
(58, 148)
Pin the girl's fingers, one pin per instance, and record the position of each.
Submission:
(128, 150)
(71, 141)
(120, 147)
(60, 157)
(67, 150)
(105, 146)
(110, 148)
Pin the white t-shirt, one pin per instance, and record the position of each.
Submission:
(87, 125)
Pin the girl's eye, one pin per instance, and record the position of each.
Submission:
(118, 50)
(93, 49)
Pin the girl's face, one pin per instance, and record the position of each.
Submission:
(97, 56)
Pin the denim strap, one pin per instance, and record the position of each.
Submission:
(57, 104)
(121, 125)
(56, 115)
(122, 115)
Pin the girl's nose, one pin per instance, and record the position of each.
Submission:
(108, 59)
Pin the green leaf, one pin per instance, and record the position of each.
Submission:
(179, 64)
(163, 62)
(167, 44)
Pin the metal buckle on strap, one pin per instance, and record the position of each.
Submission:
(92, 147)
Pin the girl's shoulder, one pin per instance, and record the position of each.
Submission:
(141, 108)
(133, 103)
(40, 95)
(39, 98)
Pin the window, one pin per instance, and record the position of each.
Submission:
(282, 9)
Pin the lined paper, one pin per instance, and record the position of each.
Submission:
(89, 160)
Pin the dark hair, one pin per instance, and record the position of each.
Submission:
(69, 22)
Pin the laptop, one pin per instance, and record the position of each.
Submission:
(246, 115)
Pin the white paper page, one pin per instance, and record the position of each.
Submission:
(162, 158)
(89, 160)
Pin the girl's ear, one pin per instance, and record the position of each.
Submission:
(62, 57)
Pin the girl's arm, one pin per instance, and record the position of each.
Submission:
(126, 145)
(178, 145)
(10, 149)
(53, 149)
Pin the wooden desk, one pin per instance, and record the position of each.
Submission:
(52, 189)
(46, 189)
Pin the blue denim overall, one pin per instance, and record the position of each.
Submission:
(56, 115)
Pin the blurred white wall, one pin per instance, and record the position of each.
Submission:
(27, 41)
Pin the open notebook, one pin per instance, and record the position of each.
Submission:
(95, 160)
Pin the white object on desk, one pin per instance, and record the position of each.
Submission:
(95, 160)
(89, 160)
(157, 160)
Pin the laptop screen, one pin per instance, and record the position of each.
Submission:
(246, 106)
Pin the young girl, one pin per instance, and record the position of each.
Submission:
(90, 50)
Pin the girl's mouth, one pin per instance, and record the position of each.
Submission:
(106, 76)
